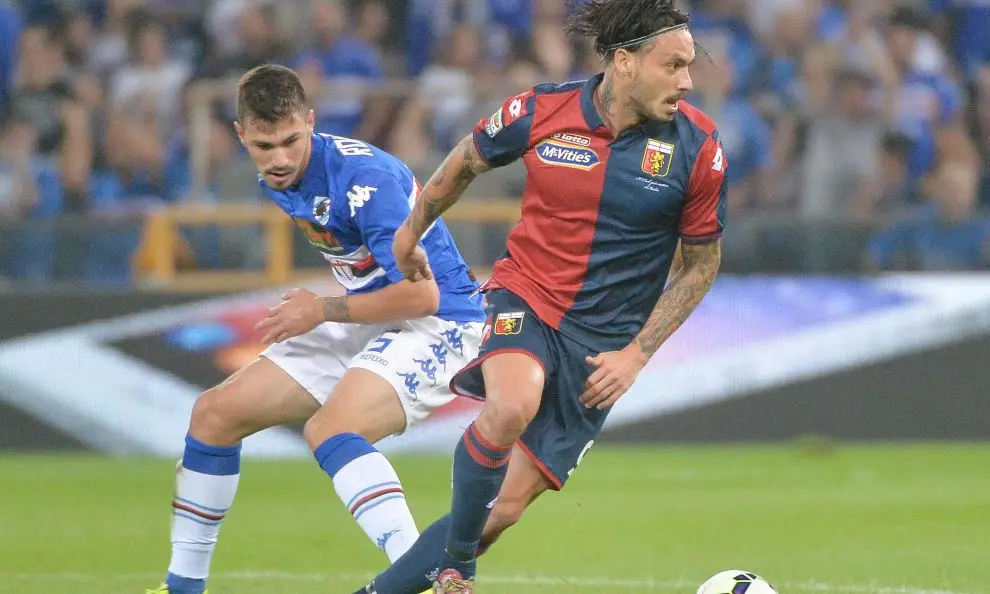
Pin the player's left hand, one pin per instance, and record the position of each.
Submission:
(614, 374)
(299, 312)
(410, 259)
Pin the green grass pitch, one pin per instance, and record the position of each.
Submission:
(883, 519)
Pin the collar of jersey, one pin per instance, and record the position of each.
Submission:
(591, 116)
(314, 181)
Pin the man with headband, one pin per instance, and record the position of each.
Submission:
(624, 178)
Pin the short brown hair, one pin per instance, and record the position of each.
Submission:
(269, 93)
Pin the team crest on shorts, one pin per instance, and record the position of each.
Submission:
(321, 210)
(508, 323)
(657, 157)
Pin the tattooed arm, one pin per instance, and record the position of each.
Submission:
(455, 174)
(615, 371)
(685, 290)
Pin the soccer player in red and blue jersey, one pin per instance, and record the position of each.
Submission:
(621, 171)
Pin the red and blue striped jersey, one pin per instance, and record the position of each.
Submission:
(601, 216)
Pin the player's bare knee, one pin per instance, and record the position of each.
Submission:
(321, 427)
(503, 420)
(334, 420)
(213, 421)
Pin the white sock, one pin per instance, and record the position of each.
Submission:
(370, 489)
(200, 504)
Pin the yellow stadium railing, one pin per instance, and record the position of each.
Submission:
(164, 261)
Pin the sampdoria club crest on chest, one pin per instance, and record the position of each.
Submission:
(321, 210)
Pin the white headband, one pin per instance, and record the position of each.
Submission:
(639, 40)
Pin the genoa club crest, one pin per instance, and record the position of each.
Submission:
(657, 157)
(508, 323)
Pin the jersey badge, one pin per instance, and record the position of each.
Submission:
(321, 210)
(509, 323)
(494, 125)
(657, 157)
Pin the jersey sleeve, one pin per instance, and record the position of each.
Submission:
(503, 137)
(377, 204)
(703, 218)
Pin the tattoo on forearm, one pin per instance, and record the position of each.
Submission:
(335, 309)
(682, 296)
(446, 185)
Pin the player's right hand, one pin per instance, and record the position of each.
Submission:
(409, 257)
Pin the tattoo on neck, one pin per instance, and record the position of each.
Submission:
(335, 309)
(608, 96)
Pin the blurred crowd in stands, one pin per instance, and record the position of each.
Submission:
(857, 131)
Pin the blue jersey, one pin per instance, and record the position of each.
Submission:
(349, 203)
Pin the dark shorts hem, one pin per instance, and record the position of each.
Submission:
(475, 367)
(555, 483)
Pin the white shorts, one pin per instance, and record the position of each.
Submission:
(418, 357)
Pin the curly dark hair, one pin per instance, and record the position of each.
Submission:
(269, 93)
(614, 22)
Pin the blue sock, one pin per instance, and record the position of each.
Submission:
(479, 469)
(214, 460)
(340, 450)
(409, 573)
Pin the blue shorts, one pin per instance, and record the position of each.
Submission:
(563, 429)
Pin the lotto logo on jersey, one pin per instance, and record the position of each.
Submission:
(572, 138)
(508, 323)
(515, 108)
(657, 157)
(564, 154)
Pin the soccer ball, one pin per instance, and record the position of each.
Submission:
(736, 581)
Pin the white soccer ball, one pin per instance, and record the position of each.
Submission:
(736, 581)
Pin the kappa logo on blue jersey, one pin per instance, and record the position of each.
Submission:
(564, 154)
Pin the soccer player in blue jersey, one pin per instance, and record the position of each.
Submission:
(621, 171)
(357, 367)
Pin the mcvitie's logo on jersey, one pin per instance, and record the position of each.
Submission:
(564, 154)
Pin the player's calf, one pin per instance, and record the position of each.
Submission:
(514, 386)
(505, 514)
(524, 482)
